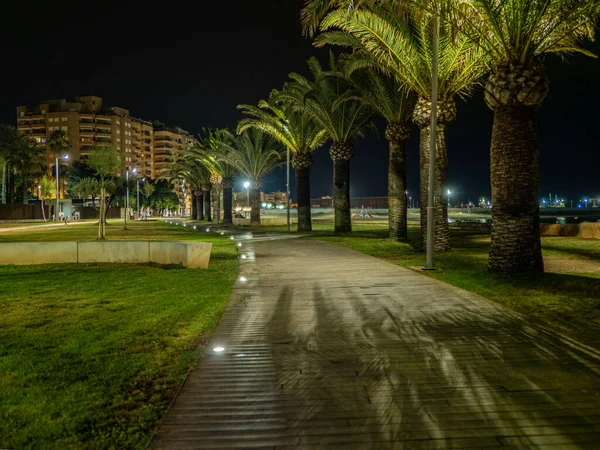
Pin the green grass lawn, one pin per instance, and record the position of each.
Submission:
(91, 355)
(569, 301)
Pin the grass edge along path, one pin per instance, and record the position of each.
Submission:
(91, 355)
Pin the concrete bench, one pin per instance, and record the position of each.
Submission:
(193, 255)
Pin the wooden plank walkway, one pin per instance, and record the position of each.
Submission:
(328, 348)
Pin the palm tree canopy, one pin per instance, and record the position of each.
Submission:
(188, 168)
(399, 42)
(296, 131)
(58, 142)
(319, 98)
(209, 152)
(252, 152)
(517, 31)
(384, 93)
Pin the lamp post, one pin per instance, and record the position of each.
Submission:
(449, 194)
(247, 186)
(65, 157)
(288, 189)
(432, 144)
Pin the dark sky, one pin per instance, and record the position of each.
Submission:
(191, 65)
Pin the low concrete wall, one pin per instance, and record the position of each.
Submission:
(20, 253)
(590, 230)
(193, 255)
(114, 251)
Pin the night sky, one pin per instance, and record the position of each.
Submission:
(191, 66)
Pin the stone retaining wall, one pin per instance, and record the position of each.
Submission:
(188, 254)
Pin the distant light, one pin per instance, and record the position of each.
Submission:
(243, 256)
(243, 279)
(66, 157)
(185, 225)
(231, 237)
(239, 244)
(449, 192)
(247, 184)
(263, 205)
(207, 230)
(195, 227)
(134, 170)
(222, 233)
(219, 349)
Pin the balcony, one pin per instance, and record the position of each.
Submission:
(102, 131)
(103, 125)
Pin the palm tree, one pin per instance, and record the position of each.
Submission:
(210, 152)
(254, 154)
(516, 34)
(342, 121)
(299, 133)
(187, 167)
(399, 42)
(386, 95)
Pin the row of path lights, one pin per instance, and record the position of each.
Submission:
(220, 348)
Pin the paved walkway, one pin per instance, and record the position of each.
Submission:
(328, 348)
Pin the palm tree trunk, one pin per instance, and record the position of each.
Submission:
(43, 211)
(515, 178)
(194, 212)
(199, 206)
(227, 204)
(25, 190)
(398, 207)
(216, 199)
(4, 170)
(254, 205)
(441, 243)
(207, 212)
(11, 185)
(303, 194)
(341, 195)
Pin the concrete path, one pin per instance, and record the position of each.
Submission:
(328, 348)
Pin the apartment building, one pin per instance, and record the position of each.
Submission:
(89, 124)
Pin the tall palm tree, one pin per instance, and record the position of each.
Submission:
(388, 97)
(296, 131)
(342, 121)
(516, 34)
(254, 154)
(399, 41)
(209, 152)
(188, 168)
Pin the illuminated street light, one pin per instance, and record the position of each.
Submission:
(247, 186)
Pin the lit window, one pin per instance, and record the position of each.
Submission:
(64, 119)
(22, 114)
(64, 128)
(118, 131)
(118, 122)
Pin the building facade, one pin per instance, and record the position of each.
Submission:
(142, 145)
(89, 124)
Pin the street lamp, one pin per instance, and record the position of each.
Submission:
(449, 194)
(65, 157)
(247, 186)
(432, 143)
